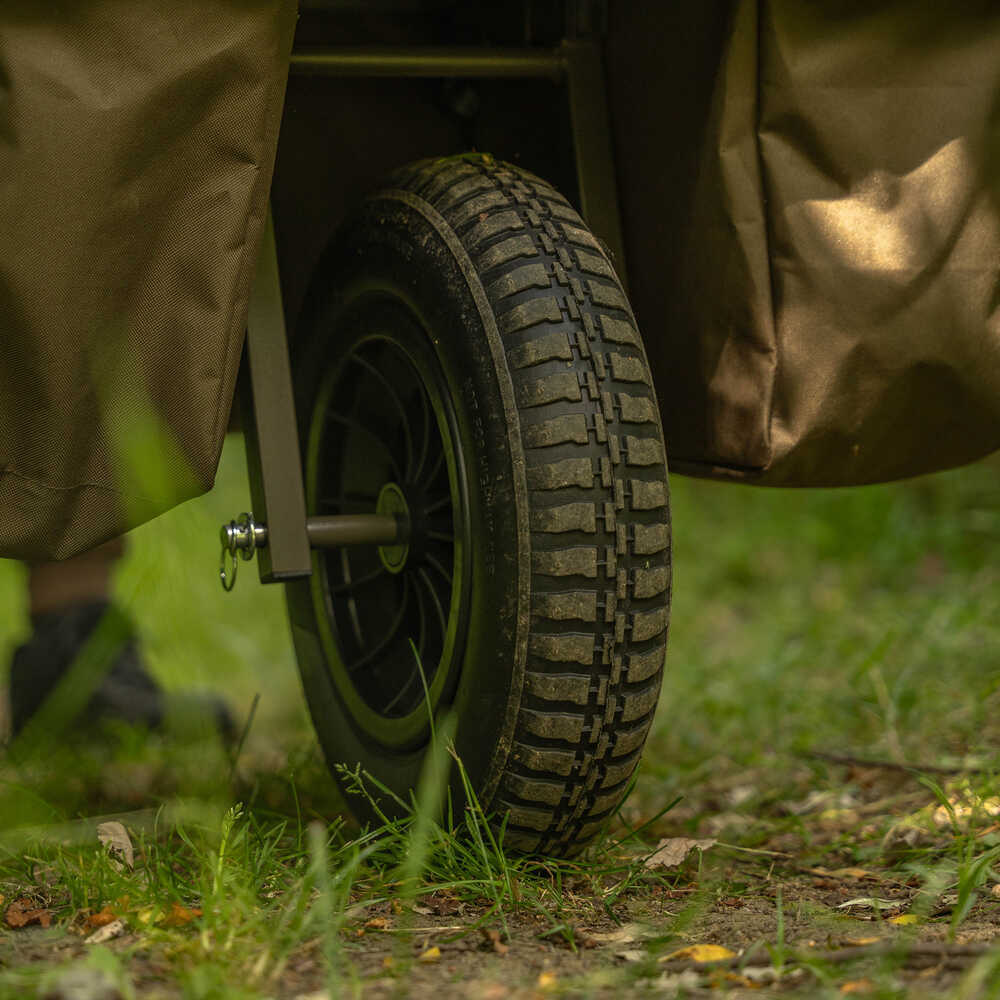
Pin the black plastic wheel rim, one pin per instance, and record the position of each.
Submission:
(392, 620)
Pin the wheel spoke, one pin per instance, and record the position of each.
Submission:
(390, 637)
(438, 606)
(397, 402)
(434, 562)
(440, 536)
(399, 694)
(425, 444)
(358, 426)
(349, 585)
(438, 462)
(436, 505)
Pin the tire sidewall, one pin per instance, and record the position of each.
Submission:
(391, 244)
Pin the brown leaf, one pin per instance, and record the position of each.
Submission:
(493, 941)
(671, 851)
(378, 924)
(442, 904)
(23, 912)
(99, 919)
(180, 915)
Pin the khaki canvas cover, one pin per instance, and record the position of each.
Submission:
(136, 148)
(811, 198)
(811, 210)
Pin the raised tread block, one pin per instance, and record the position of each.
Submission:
(566, 472)
(574, 605)
(650, 582)
(619, 771)
(606, 801)
(642, 666)
(556, 430)
(628, 740)
(643, 451)
(579, 237)
(477, 207)
(578, 561)
(544, 758)
(530, 313)
(549, 389)
(637, 704)
(619, 331)
(553, 725)
(569, 647)
(650, 538)
(493, 225)
(626, 368)
(505, 252)
(646, 624)
(607, 296)
(593, 263)
(519, 280)
(648, 495)
(524, 816)
(545, 348)
(636, 409)
(535, 789)
(566, 517)
(561, 209)
(574, 688)
(462, 190)
(520, 840)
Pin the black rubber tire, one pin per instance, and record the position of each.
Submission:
(559, 427)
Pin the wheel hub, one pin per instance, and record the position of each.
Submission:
(392, 500)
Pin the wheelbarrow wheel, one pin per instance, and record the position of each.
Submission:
(467, 360)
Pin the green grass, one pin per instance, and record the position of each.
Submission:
(862, 621)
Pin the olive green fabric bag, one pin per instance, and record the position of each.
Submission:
(136, 148)
(811, 199)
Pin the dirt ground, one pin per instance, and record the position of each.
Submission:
(853, 887)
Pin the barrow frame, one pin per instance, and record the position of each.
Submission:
(279, 530)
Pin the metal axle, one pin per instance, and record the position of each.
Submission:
(243, 536)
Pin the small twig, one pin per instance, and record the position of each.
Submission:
(754, 850)
(891, 765)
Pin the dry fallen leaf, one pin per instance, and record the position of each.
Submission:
(860, 942)
(626, 934)
(180, 915)
(994, 891)
(493, 940)
(378, 924)
(632, 955)
(855, 873)
(99, 919)
(671, 851)
(115, 838)
(430, 956)
(106, 933)
(23, 912)
(700, 953)
(547, 981)
(858, 986)
(904, 919)
(871, 903)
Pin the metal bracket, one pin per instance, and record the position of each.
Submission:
(269, 426)
(577, 61)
